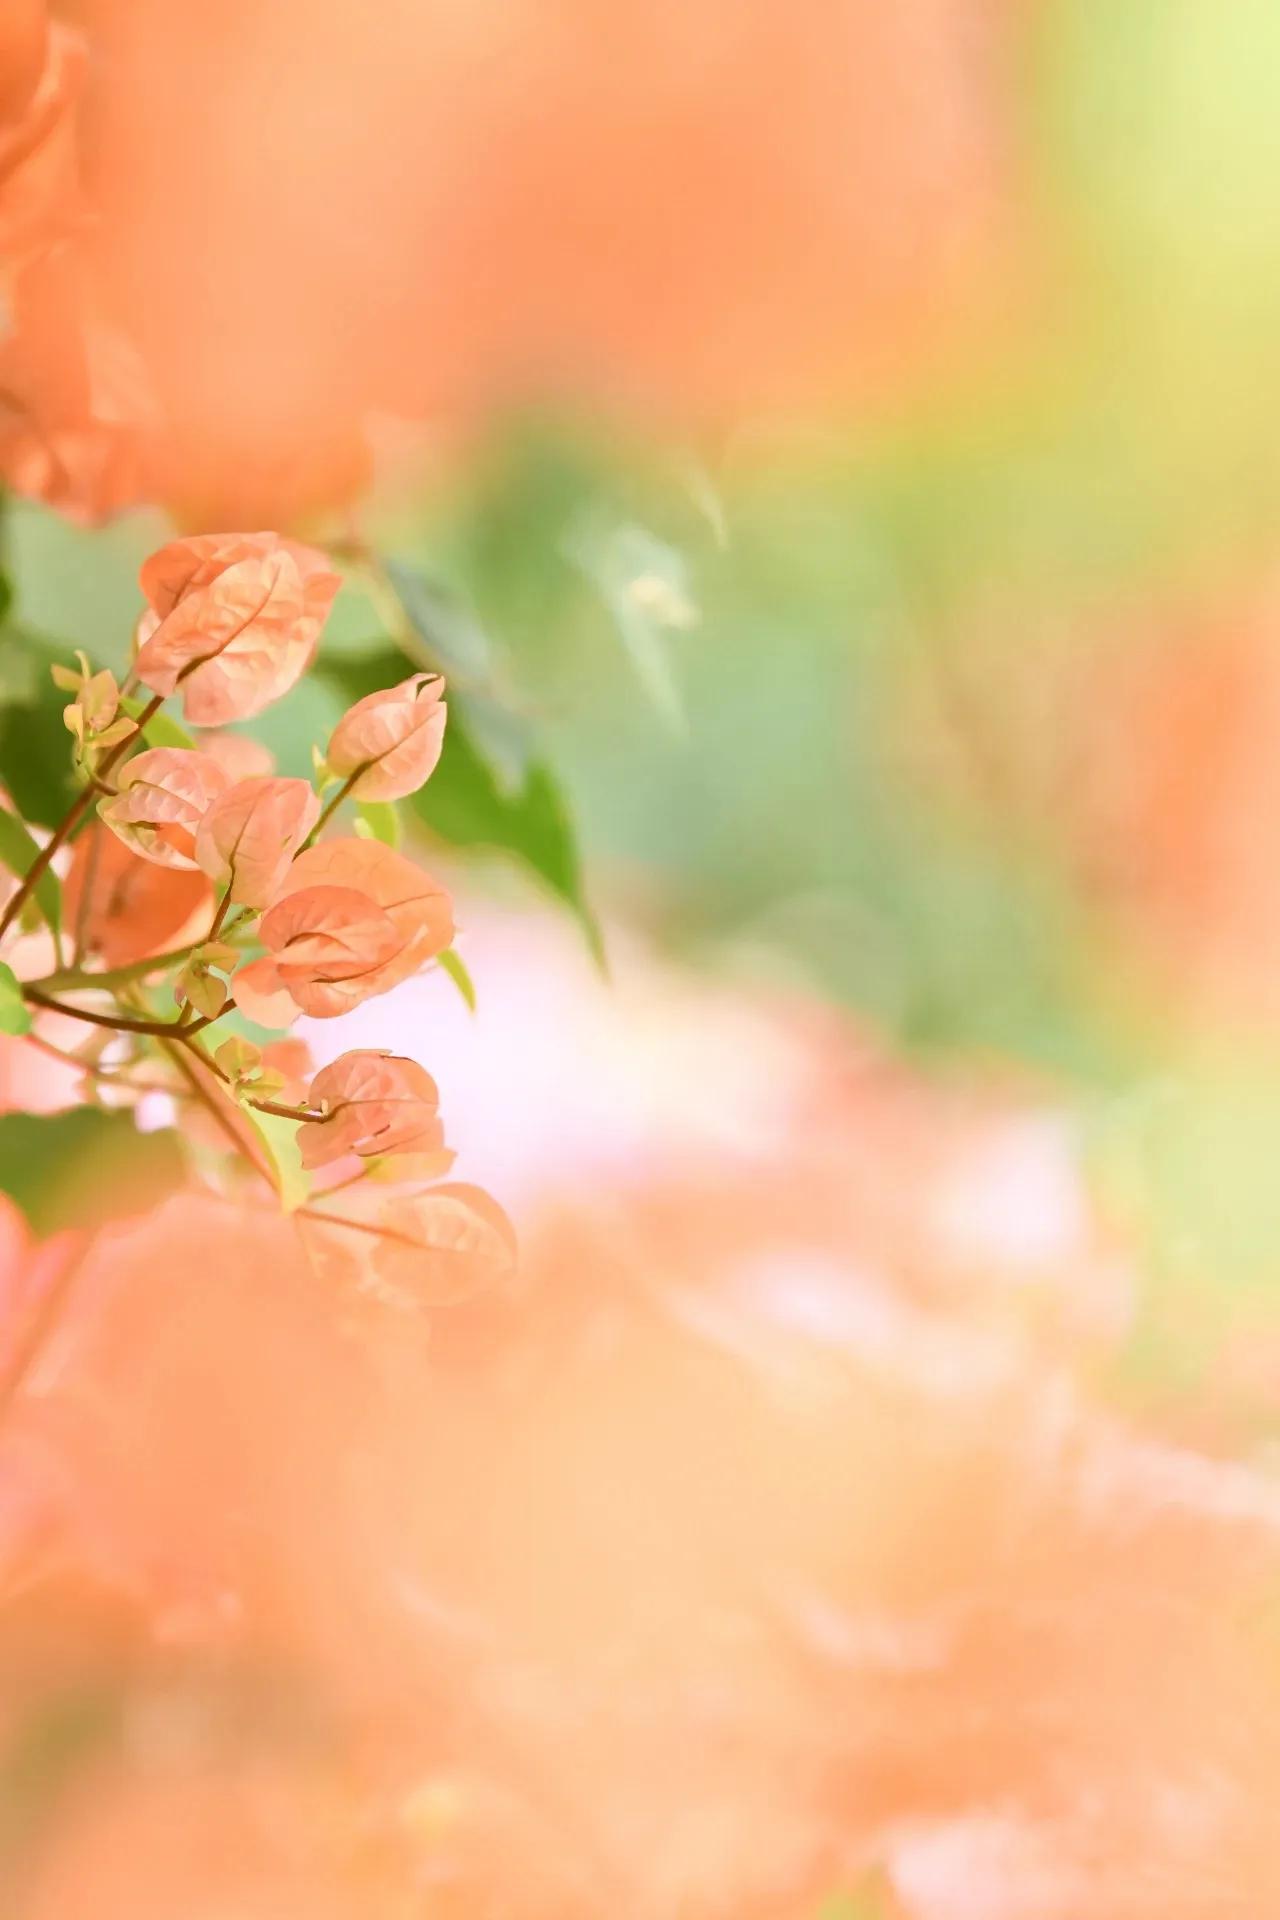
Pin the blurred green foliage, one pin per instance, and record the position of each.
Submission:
(83, 1167)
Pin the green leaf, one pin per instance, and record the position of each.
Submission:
(456, 968)
(84, 1167)
(161, 730)
(14, 1014)
(872, 1899)
(379, 820)
(457, 643)
(280, 1138)
(17, 852)
(473, 799)
(35, 748)
(644, 583)
(50, 1742)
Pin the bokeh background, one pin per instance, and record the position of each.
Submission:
(842, 434)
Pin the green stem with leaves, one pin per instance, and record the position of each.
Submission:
(72, 818)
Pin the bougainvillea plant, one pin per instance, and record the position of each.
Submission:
(171, 910)
(199, 896)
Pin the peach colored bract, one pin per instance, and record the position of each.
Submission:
(353, 919)
(164, 795)
(252, 832)
(388, 744)
(234, 620)
(374, 1103)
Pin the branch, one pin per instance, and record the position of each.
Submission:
(122, 1023)
(178, 1048)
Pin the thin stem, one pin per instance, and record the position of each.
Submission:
(205, 1059)
(186, 1018)
(178, 1050)
(332, 806)
(112, 1076)
(122, 1023)
(72, 818)
(108, 1076)
(284, 1112)
(215, 925)
(42, 1045)
(358, 1226)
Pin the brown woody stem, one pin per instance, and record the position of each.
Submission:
(122, 1023)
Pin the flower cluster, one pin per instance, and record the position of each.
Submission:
(210, 888)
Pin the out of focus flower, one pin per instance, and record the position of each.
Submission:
(373, 1103)
(708, 221)
(234, 619)
(447, 1243)
(126, 907)
(432, 1248)
(24, 41)
(39, 167)
(86, 471)
(71, 428)
(391, 740)
(163, 796)
(353, 919)
(77, 418)
(33, 1080)
(251, 833)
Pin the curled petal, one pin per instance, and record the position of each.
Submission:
(393, 890)
(419, 905)
(391, 739)
(252, 832)
(351, 919)
(329, 943)
(164, 795)
(374, 1103)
